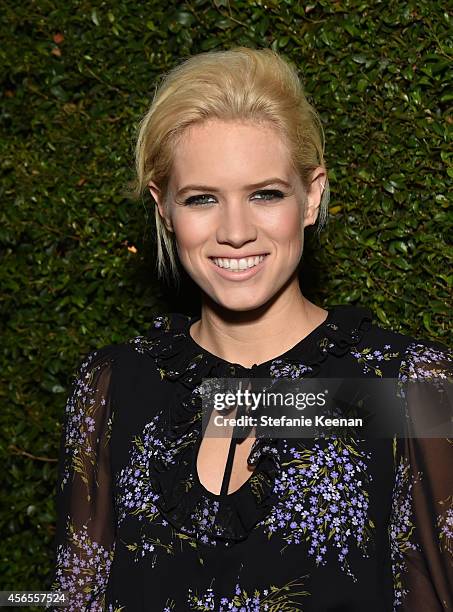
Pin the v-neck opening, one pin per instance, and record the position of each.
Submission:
(226, 475)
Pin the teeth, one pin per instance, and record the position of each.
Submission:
(238, 264)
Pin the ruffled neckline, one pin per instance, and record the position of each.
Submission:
(179, 495)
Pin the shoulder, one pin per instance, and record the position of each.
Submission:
(95, 362)
(165, 331)
(133, 354)
(426, 359)
(414, 356)
(389, 353)
(162, 324)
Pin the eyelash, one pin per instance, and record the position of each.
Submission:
(275, 193)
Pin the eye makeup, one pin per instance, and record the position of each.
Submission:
(270, 195)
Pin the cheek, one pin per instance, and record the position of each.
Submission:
(288, 224)
(189, 231)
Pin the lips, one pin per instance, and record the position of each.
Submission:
(239, 274)
(236, 256)
(239, 264)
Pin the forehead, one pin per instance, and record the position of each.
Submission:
(230, 150)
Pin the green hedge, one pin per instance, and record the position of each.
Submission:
(77, 75)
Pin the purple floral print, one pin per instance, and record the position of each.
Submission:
(286, 598)
(445, 525)
(135, 495)
(83, 568)
(323, 500)
(401, 528)
(369, 358)
(81, 409)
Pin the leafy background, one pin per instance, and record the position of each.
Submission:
(78, 257)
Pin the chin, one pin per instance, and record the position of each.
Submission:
(239, 303)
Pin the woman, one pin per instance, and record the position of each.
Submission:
(152, 515)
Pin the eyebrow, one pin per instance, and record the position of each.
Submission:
(270, 181)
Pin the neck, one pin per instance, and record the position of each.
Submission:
(255, 336)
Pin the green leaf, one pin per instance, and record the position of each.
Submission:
(381, 315)
(362, 85)
(401, 263)
(94, 17)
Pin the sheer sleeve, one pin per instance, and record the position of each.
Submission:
(85, 533)
(421, 528)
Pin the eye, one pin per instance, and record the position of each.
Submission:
(272, 194)
(197, 200)
(201, 200)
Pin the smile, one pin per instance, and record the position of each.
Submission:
(238, 265)
(238, 269)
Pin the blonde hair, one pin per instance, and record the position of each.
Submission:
(236, 84)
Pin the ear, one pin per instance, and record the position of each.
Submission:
(157, 196)
(314, 195)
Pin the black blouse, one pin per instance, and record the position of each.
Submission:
(322, 524)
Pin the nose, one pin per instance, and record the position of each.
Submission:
(236, 225)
